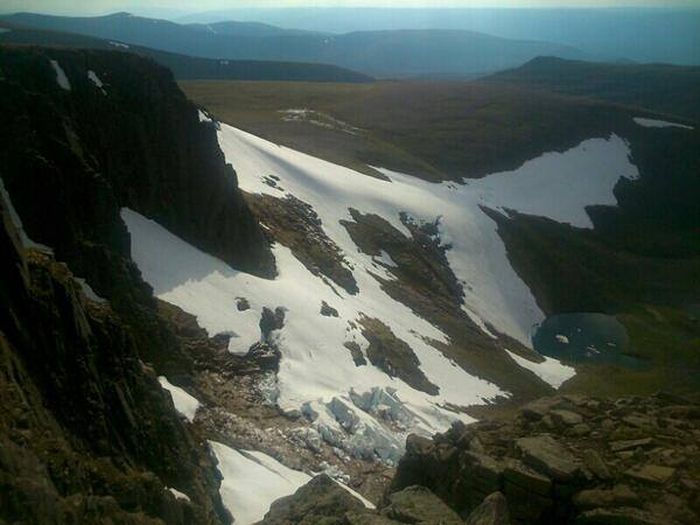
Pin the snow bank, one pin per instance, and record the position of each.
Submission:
(178, 494)
(653, 123)
(61, 77)
(185, 404)
(88, 291)
(349, 405)
(252, 481)
(556, 185)
(92, 76)
(550, 370)
(561, 185)
(315, 365)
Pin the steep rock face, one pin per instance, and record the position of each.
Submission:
(86, 433)
(117, 133)
(568, 459)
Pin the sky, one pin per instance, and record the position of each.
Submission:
(188, 6)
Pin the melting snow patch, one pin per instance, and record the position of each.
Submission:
(88, 291)
(653, 123)
(317, 118)
(61, 77)
(178, 494)
(92, 76)
(252, 481)
(118, 44)
(185, 404)
(385, 259)
(561, 185)
(550, 370)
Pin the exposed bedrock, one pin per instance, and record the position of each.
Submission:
(73, 157)
(563, 459)
(569, 460)
(86, 433)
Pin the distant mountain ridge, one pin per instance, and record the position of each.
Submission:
(660, 87)
(653, 34)
(401, 53)
(187, 67)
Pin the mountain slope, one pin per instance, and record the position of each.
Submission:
(638, 262)
(432, 130)
(384, 53)
(88, 434)
(343, 311)
(187, 67)
(664, 88)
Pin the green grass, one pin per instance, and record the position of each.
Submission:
(434, 130)
(660, 87)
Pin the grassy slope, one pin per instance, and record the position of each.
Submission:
(661, 87)
(434, 130)
(641, 263)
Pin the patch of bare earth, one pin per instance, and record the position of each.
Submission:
(293, 223)
(237, 409)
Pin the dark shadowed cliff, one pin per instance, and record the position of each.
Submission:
(87, 435)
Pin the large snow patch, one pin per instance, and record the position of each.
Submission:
(317, 374)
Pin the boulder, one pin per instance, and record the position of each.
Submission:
(656, 474)
(594, 463)
(547, 455)
(566, 417)
(623, 516)
(492, 511)
(619, 496)
(321, 500)
(419, 505)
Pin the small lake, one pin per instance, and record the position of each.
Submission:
(584, 338)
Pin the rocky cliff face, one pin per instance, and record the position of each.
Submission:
(86, 432)
(87, 435)
(117, 133)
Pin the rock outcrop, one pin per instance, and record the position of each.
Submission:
(86, 433)
(322, 500)
(568, 460)
(72, 158)
(120, 135)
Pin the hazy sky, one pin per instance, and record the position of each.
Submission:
(189, 6)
